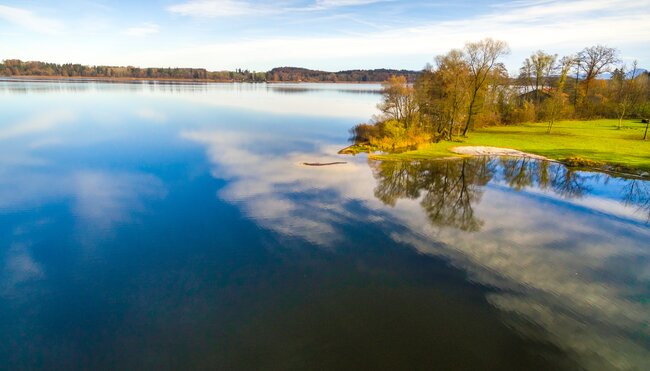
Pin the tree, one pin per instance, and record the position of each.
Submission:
(481, 58)
(536, 72)
(454, 73)
(428, 95)
(555, 105)
(593, 61)
(399, 101)
(442, 93)
(624, 91)
(643, 107)
(526, 75)
(543, 68)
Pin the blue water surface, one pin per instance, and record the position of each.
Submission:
(175, 226)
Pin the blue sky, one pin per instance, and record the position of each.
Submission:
(320, 34)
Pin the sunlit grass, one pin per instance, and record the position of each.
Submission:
(598, 140)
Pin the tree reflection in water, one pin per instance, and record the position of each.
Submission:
(449, 189)
(637, 193)
(521, 173)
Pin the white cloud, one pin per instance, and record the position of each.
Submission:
(145, 29)
(37, 124)
(151, 115)
(215, 8)
(19, 267)
(228, 8)
(560, 27)
(545, 8)
(106, 198)
(28, 20)
(553, 288)
(262, 185)
(344, 3)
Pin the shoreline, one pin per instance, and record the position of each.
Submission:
(27, 78)
(598, 145)
(460, 152)
(495, 151)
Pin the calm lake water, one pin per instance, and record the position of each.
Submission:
(166, 226)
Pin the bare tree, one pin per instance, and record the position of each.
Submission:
(624, 91)
(543, 67)
(526, 75)
(481, 58)
(537, 70)
(593, 61)
(399, 100)
(555, 105)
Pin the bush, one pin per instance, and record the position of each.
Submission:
(486, 118)
(526, 113)
(363, 132)
(390, 135)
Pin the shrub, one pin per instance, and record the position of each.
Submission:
(390, 135)
(364, 132)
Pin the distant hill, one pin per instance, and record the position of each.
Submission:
(307, 75)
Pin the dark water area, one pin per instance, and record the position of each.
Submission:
(174, 226)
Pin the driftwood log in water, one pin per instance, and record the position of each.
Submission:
(323, 163)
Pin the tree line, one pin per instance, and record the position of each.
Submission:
(15, 67)
(471, 87)
(307, 75)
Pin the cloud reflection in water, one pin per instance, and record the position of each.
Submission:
(552, 252)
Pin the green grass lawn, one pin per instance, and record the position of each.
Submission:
(598, 140)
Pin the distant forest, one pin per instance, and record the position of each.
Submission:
(303, 74)
(15, 67)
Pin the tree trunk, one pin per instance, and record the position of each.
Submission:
(575, 93)
(645, 135)
(620, 119)
(452, 121)
(469, 113)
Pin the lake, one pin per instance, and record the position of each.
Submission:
(174, 226)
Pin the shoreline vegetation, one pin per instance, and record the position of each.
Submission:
(587, 110)
(15, 68)
(161, 80)
(595, 145)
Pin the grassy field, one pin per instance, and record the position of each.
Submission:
(597, 142)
